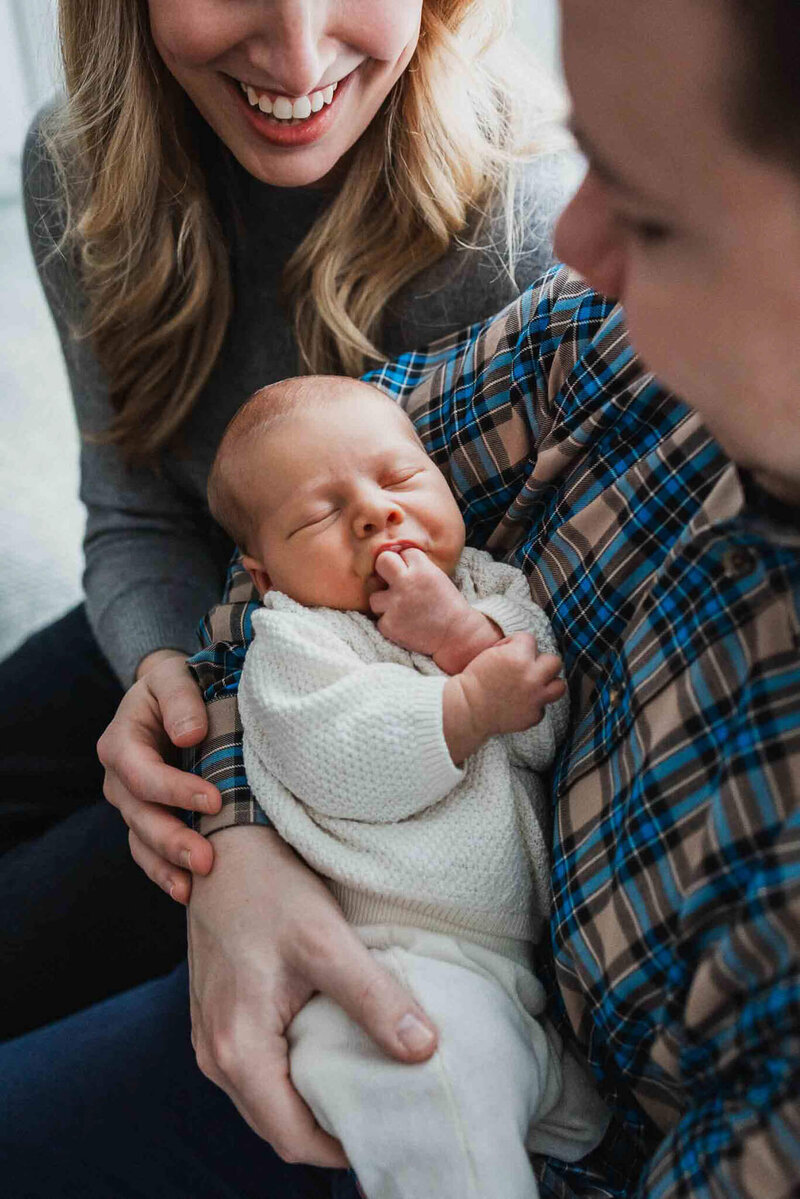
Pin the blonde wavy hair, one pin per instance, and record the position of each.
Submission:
(152, 259)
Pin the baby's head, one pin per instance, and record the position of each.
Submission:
(315, 476)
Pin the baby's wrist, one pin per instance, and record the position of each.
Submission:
(468, 635)
(463, 717)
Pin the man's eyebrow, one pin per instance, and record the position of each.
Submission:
(602, 167)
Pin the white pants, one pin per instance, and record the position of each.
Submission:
(461, 1125)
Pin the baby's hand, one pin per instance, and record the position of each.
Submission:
(509, 685)
(420, 604)
(505, 689)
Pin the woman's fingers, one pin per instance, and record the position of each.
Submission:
(177, 883)
(167, 838)
(183, 713)
(337, 963)
(142, 785)
(141, 771)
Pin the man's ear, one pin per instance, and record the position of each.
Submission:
(261, 580)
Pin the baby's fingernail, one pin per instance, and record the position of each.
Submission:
(413, 1034)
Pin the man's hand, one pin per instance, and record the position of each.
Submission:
(264, 935)
(422, 610)
(162, 709)
(505, 689)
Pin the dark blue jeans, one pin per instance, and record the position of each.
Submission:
(110, 1104)
(77, 916)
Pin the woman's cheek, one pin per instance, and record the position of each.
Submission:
(386, 32)
(192, 33)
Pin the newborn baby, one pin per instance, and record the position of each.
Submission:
(398, 702)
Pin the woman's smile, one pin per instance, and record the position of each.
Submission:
(290, 87)
(289, 121)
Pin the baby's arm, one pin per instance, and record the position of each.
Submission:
(351, 739)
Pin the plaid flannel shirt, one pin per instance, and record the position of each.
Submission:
(674, 591)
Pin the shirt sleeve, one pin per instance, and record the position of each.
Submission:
(153, 562)
(225, 633)
(351, 739)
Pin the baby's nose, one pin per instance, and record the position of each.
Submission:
(374, 517)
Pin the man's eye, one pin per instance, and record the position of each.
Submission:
(646, 232)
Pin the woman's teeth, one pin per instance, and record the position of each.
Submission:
(284, 109)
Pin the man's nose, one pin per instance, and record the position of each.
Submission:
(287, 44)
(374, 515)
(588, 239)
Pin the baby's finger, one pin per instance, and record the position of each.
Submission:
(553, 692)
(390, 566)
(548, 666)
(414, 556)
(379, 601)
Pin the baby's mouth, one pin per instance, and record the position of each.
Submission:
(394, 547)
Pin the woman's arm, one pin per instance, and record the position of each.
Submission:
(150, 570)
(153, 562)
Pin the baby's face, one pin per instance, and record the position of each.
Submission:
(335, 484)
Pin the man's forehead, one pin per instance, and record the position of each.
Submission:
(646, 78)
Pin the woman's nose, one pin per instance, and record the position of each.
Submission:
(288, 45)
(588, 239)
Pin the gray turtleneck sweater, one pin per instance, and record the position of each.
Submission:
(155, 560)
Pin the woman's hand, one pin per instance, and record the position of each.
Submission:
(163, 709)
(264, 935)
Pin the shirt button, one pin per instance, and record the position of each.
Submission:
(614, 696)
(738, 562)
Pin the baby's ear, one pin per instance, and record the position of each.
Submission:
(261, 580)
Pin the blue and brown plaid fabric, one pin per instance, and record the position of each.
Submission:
(673, 585)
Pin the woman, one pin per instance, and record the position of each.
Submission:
(664, 537)
(229, 191)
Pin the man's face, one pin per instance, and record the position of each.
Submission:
(335, 483)
(697, 236)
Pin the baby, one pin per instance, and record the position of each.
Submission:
(396, 711)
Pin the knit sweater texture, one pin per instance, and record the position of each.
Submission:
(155, 559)
(344, 749)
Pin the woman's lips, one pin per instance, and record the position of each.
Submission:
(290, 133)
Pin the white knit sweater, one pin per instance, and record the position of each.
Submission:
(344, 749)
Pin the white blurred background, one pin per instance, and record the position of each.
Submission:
(41, 519)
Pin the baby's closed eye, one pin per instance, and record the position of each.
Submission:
(398, 478)
(316, 520)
